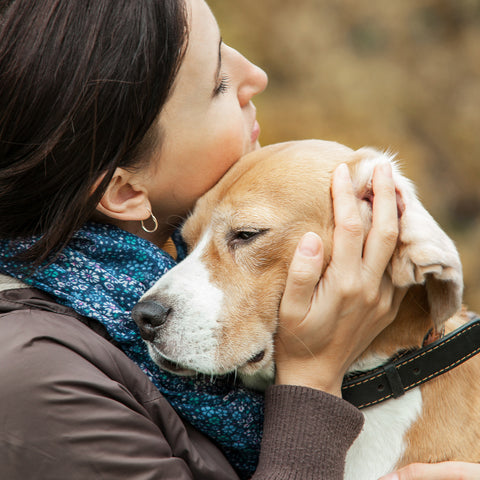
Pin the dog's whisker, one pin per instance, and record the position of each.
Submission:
(175, 221)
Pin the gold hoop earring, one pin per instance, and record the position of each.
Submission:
(155, 223)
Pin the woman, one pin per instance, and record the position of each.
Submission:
(116, 116)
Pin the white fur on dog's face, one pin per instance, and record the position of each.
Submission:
(224, 297)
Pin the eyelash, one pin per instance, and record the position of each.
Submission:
(222, 87)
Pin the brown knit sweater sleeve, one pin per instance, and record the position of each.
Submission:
(306, 434)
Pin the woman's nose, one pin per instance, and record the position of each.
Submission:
(254, 82)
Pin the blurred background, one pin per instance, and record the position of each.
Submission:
(402, 75)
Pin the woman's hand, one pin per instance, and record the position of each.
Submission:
(437, 471)
(327, 322)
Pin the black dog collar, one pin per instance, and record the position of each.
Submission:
(413, 368)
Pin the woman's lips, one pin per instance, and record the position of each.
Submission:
(255, 131)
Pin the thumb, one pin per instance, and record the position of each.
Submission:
(303, 276)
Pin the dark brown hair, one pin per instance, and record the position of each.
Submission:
(81, 82)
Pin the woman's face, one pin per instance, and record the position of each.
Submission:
(209, 121)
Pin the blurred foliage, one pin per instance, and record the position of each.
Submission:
(399, 75)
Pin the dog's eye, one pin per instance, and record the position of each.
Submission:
(242, 237)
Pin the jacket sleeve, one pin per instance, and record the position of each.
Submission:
(307, 434)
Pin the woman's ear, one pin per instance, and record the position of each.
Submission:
(125, 197)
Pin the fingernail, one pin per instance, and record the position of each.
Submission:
(386, 169)
(309, 245)
(343, 172)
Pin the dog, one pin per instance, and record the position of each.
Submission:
(216, 312)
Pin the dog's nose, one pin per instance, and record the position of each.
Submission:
(149, 315)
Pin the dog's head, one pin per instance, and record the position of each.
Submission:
(217, 311)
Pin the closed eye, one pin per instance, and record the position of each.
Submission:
(238, 238)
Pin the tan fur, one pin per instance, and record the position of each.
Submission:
(285, 189)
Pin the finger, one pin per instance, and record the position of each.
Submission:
(389, 300)
(436, 471)
(348, 233)
(382, 238)
(303, 276)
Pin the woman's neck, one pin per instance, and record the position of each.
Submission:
(159, 238)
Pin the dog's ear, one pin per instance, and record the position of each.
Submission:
(424, 253)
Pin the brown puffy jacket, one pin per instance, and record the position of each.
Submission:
(74, 406)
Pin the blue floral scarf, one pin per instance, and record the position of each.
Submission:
(101, 274)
